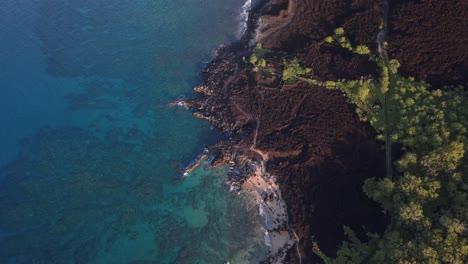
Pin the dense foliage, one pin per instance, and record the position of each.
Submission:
(292, 71)
(427, 199)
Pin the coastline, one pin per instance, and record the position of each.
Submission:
(247, 173)
(279, 237)
(236, 102)
(304, 145)
(247, 176)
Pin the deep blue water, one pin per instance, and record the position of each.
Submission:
(90, 151)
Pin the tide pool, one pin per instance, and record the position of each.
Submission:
(91, 154)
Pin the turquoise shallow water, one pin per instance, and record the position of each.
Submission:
(90, 152)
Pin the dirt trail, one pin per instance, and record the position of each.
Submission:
(384, 57)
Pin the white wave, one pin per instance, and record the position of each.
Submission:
(267, 239)
(262, 212)
(244, 17)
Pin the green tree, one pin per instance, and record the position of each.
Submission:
(427, 203)
(362, 50)
(293, 70)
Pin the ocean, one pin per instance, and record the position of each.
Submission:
(91, 155)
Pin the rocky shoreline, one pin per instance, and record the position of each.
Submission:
(247, 173)
(303, 145)
(231, 99)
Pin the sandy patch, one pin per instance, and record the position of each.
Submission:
(263, 187)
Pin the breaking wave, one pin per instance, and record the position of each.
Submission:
(244, 17)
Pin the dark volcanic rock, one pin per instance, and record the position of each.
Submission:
(319, 150)
(430, 39)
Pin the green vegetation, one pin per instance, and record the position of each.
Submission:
(427, 202)
(344, 42)
(339, 31)
(293, 70)
(258, 57)
(329, 39)
(362, 50)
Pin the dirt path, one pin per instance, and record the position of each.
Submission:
(384, 57)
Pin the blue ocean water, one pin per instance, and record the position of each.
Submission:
(91, 153)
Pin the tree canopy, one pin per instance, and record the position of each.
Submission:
(427, 199)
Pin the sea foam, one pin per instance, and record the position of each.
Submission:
(244, 17)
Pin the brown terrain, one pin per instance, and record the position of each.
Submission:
(430, 39)
(318, 149)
